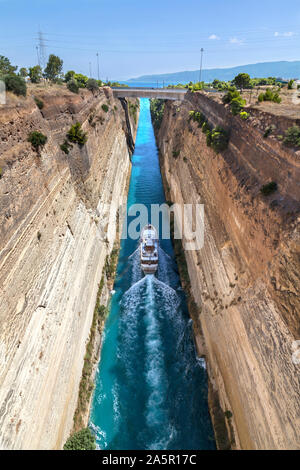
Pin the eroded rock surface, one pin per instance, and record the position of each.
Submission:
(55, 234)
(246, 278)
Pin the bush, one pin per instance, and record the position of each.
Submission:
(206, 127)
(244, 115)
(292, 137)
(228, 414)
(176, 153)
(196, 86)
(105, 108)
(208, 138)
(65, 147)
(290, 84)
(15, 84)
(69, 75)
(269, 188)
(76, 135)
(37, 140)
(82, 440)
(231, 94)
(197, 117)
(73, 86)
(92, 84)
(219, 138)
(237, 104)
(81, 79)
(39, 103)
(269, 95)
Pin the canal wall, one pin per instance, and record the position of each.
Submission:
(244, 280)
(55, 238)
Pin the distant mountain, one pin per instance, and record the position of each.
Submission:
(282, 69)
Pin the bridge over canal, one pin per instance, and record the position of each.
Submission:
(176, 94)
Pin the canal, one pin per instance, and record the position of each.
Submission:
(151, 388)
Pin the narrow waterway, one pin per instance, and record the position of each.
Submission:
(151, 390)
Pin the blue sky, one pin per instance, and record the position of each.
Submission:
(159, 36)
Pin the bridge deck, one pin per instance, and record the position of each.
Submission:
(177, 94)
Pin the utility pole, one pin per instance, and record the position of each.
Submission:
(98, 65)
(201, 62)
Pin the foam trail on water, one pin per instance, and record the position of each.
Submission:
(156, 410)
(135, 265)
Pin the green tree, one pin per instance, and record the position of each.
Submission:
(82, 440)
(237, 104)
(69, 75)
(53, 69)
(242, 80)
(81, 79)
(35, 74)
(5, 66)
(231, 94)
(23, 72)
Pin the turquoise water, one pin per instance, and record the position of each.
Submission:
(151, 390)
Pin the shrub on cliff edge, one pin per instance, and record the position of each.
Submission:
(219, 139)
(37, 140)
(76, 135)
(92, 85)
(81, 440)
(73, 86)
(269, 188)
(15, 84)
(292, 137)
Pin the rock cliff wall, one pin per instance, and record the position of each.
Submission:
(245, 280)
(55, 235)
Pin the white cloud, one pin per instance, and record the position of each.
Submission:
(287, 34)
(240, 42)
(214, 37)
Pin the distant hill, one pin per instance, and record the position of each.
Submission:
(282, 69)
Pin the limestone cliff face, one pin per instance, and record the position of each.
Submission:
(246, 278)
(55, 234)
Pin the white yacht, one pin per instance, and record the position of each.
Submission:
(149, 249)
